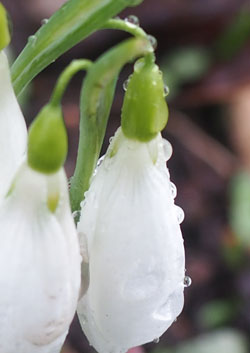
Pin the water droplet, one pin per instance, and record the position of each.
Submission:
(175, 319)
(139, 64)
(187, 281)
(167, 149)
(111, 139)
(166, 90)
(32, 40)
(125, 83)
(173, 190)
(76, 215)
(44, 21)
(100, 160)
(153, 41)
(133, 20)
(156, 340)
(180, 214)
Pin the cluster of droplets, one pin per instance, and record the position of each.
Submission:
(167, 150)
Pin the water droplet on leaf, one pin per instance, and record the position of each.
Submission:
(32, 40)
(44, 21)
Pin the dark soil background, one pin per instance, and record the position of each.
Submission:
(204, 53)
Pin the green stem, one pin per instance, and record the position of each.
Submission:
(76, 20)
(65, 77)
(125, 26)
(96, 100)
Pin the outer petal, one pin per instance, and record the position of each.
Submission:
(40, 265)
(134, 248)
(13, 132)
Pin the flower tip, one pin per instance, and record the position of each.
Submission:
(4, 28)
(47, 141)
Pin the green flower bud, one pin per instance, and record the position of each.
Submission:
(47, 141)
(4, 28)
(144, 111)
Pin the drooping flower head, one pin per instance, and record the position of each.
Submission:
(39, 248)
(129, 228)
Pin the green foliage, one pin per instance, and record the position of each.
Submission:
(76, 20)
(235, 35)
(184, 65)
(4, 28)
(217, 313)
(240, 208)
(144, 111)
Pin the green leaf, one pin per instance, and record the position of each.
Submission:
(76, 20)
(240, 207)
(4, 28)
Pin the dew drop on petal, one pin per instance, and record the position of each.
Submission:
(76, 215)
(173, 190)
(133, 20)
(167, 148)
(180, 214)
(100, 160)
(153, 41)
(156, 340)
(187, 281)
(166, 90)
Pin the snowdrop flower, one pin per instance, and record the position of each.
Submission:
(40, 262)
(13, 132)
(129, 229)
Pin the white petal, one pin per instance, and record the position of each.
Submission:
(135, 248)
(39, 265)
(13, 132)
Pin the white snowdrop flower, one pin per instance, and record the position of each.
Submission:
(132, 247)
(39, 263)
(13, 132)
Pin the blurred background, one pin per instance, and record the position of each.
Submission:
(204, 53)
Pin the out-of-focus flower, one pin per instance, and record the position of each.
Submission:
(39, 262)
(13, 132)
(40, 259)
(132, 243)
